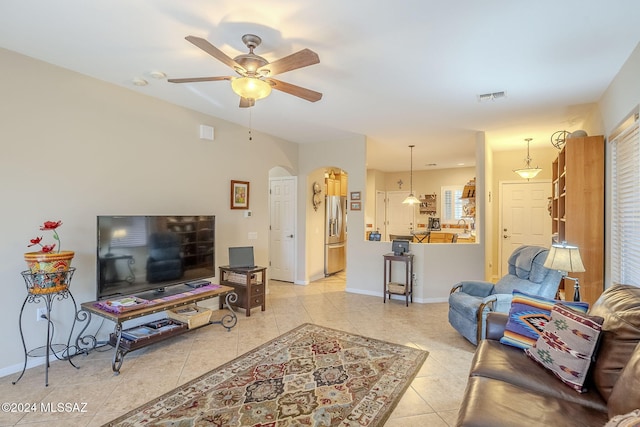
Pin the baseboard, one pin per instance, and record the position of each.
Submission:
(31, 363)
(379, 294)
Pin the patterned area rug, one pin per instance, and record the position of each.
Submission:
(309, 376)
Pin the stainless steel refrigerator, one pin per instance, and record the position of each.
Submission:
(335, 236)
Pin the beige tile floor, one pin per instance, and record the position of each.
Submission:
(432, 400)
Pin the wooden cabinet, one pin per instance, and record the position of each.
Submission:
(336, 184)
(248, 283)
(469, 198)
(577, 208)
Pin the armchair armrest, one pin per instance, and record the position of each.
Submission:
(499, 303)
(496, 323)
(476, 288)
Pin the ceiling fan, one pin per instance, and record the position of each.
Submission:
(255, 81)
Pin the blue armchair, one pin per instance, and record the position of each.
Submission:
(471, 301)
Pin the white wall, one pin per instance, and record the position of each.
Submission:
(438, 267)
(315, 226)
(348, 155)
(75, 147)
(619, 100)
(503, 164)
(623, 94)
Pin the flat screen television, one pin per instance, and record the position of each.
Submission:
(150, 256)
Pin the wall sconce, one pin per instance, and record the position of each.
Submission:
(316, 198)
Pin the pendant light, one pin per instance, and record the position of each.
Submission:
(528, 172)
(411, 199)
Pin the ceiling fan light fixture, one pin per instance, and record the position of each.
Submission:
(251, 87)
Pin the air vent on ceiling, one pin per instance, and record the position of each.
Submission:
(491, 96)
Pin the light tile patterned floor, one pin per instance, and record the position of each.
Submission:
(432, 400)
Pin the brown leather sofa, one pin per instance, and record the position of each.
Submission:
(507, 388)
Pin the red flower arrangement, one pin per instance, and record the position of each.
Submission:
(48, 225)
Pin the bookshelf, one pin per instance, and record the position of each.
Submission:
(577, 208)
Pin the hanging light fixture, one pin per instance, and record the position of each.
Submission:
(528, 172)
(411, 199)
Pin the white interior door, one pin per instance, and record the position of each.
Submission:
(524, 217)
(381, 213)
(282, 226)
(399, 216)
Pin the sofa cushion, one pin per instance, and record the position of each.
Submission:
(619, 305)
(528, 315)
(625, 395)
(512, 365)
(494, 403)
(567, 344)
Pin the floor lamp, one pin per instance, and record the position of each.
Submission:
(566, 259)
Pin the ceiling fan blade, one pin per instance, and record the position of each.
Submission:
(304, 58)
(215, 52)
(199, 79)
(247, 102)
(300, 92)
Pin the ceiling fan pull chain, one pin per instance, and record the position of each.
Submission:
(250, 126)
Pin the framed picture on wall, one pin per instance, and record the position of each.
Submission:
(239, 194)
(355, 195)
(434, 223)
(355, 206)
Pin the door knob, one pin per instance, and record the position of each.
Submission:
(506, 236)
(290, 235)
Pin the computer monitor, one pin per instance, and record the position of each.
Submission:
(400, 247)
(241, 257)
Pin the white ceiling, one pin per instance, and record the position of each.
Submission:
(400, 72)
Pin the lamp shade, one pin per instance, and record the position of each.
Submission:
(528, 173)
(251, 87)
(564, 258)
(411, 200)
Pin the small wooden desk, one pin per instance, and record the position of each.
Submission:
(395, 288)
(228, 321)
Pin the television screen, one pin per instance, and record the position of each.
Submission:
(148, 254)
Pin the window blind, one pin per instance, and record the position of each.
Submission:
(129, 232)
(625, 189)
(451, 202)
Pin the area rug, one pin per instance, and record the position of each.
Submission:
(309, 376)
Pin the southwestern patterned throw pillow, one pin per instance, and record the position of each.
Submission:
(567, 345)
(528, 316)
(632, 419)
